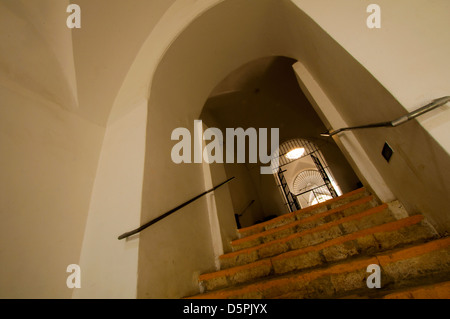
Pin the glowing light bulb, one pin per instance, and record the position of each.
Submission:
(295, 153)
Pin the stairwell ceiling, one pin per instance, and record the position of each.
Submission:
(82, 69)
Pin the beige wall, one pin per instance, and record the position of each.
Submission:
(174, 251)
(48, 163)
(109, 265)
(241, 189)
(243, 192)
(407, 55)
(175, 261)
(48, 155)
(221, 211)
(36, 56)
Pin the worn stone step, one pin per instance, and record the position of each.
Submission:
(366, 241)
(434, 291)
(423, 288)
(307, 237)
(399, 268)
(308, 211)
(304, 221)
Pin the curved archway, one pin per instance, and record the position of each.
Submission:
(263, 94)
(200, 57)
(223, 38)
(304, 179)
(309, 183)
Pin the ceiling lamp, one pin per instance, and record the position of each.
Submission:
(295, 153)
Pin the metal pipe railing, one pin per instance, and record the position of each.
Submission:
(237, 216)
(401, 120)
(170, 212)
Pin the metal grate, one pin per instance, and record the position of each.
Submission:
(322, 174)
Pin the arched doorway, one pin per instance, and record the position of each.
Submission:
(221, 40)
(303, 175)
(310, 187)
(264, 94)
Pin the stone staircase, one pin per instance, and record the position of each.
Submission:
(324, 251)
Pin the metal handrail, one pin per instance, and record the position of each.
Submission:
(401, 120)
(237, 216)
(170, 212)
(245, 209)
(311, 189)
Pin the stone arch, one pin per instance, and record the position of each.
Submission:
(223, 38)
(219, 40)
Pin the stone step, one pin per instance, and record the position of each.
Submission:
(367, 241)
(424, 288)
(304, 221)
(308, 211)
(400, 268)
(434, 291)
(306, 236)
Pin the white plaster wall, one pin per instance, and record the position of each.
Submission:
(408, 54)
(405, 67)
(223, 206)
(111, 33)
(47, 167)
(36, 52)
(220, 206)
(179, 90)
(240, 192)
(108, 265)
(174, 251)
(351, 147)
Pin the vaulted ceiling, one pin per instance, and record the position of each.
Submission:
(79, 69)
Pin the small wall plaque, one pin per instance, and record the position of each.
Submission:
(387, 152)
